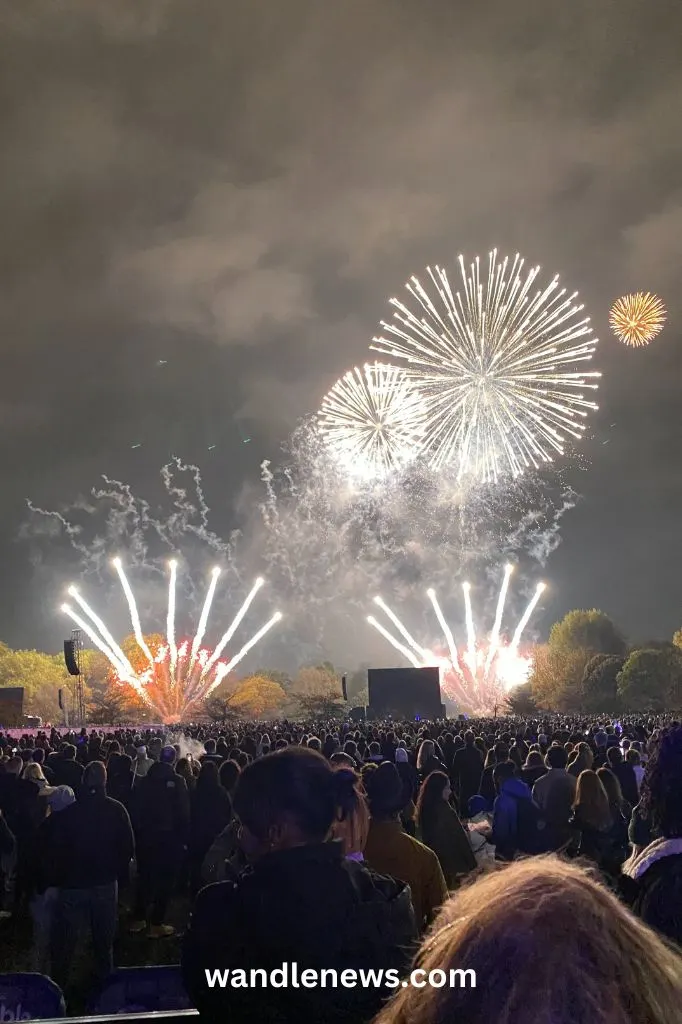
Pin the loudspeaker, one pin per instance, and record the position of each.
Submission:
(343, 688)
(11, 706)
(70, 659)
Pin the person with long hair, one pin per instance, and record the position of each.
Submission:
(300, 901)
(653, 875)
(440, 829)
(546, 943)
(592, 819)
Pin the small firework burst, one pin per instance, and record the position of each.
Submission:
(636, 319)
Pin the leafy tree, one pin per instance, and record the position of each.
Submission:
(109, 706)
(218, 709)
(600, 683)
(360, 698)
(520, 701)
(317, 681)
(257, 697)
(677, 638)
(321, 706)
(356, 684)
(41, 676)
(591, 631)
(283, 678)
(651, 680)
(556, 677)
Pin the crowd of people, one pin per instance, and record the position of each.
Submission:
(544, 854)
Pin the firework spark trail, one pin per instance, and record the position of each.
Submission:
(495, 366)
(134, 614)
(405, 651)
(233, 627)
(106, 651)
(174, 683)
(471, 630)
(226, 669)
(419, 651)
(203, 620)
(170, 621)
(101, 626)
(479, 680)
(495, 635)
(516, 639)
(447, 632)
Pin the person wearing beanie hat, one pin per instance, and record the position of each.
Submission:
(142, 763)
(43, 902)
(391, 851)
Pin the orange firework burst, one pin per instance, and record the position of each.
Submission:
(637, 319)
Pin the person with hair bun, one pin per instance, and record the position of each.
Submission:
(300, 900)
(548, 945)
(351, 825)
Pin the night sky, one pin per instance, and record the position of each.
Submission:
(205, 206)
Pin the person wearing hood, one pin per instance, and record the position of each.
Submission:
(88, 849)
(652, 877)
(160, 813)
(300, 901)
(515, 816)
(142, 763)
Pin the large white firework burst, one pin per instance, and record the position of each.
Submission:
(373, 420)
(498, 365)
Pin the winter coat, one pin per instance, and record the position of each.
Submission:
(307, 906)
(507, 825)
(443, 833)
(210, 813)
(652, 884)
(87, 844)
(467, 768)
(159, 807)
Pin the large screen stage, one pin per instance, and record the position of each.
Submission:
(405, 692)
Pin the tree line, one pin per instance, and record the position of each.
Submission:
(586, 665)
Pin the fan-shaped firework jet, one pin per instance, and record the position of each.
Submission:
(372, 420)
(478, 676)
(637, 319)
(498, 367)
(176, 678)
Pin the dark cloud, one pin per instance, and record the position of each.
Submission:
(236, 186)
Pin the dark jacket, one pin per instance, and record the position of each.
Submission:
(509, 818)
(19, 803)
(443, 833)
(652, 885)
(210, 813)
(307, 906)
(159, 807)
(467, 768)
(625, 774)
(66, 773)
(89, 843)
